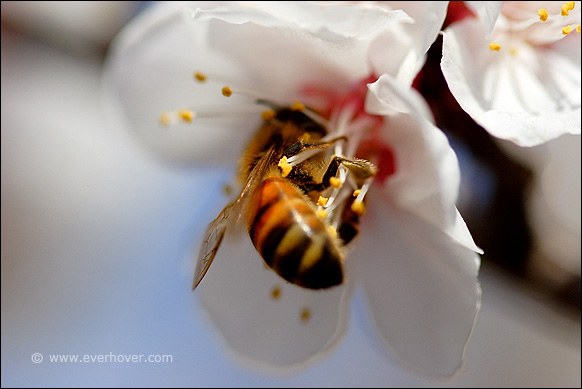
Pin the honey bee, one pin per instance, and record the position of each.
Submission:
(278, 202)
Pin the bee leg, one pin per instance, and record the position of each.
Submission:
(300, 146)
(359, 168)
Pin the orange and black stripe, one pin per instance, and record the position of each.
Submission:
(290, 237)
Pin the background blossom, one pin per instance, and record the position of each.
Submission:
(527, 88)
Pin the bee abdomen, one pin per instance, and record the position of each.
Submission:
(292, 240)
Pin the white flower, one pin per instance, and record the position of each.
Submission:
(414, 256)
(516, 68)
(407, 43)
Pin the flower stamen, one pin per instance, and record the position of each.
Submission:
(364, 189)
(305, 314)
(566, 30)
(268, 114)
(305, 137)
(335, 182)
(257, 96)
(494, 46)
(186, 115)
(564, 10)
(200, 77)
(165, 119)
(568, 6)
(298, 106)
(358, 207)
(332, 231)
(285, 167)
(276, 293)
(226, 91)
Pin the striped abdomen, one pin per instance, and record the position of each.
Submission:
(292, 240)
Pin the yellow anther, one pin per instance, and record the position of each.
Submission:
(200, 76)
(297, 106)
(570, 5)
(565, 9)
(285, 167)
(305, 137)
(543, 14)
(357, 192)
(165, 119)
(321, 201)
(226, 91)
(268, 114)
(276, 293)
(321, 213)
(335, 182)
(358, 207)
(513, 51)
(566, 30)
(494, 46)
(186, 115)
(332, 231)
(578, 29)
(305, 315)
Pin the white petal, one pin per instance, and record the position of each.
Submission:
(488, 12)
(401, 50)
(422, 288)
(285, 51)
(151, 64)
(327, 20)
(427, 176)
(387, 97)
(264, 331)
(150, 70)
(527, 96)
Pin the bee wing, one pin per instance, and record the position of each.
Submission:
(217, 228)
(213, 238)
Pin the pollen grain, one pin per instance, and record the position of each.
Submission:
(226, 91)
(186, 115)
(305, 314)
(285, 166)
(276, 293)
(494, 46)
(298, 106)
(201, 77)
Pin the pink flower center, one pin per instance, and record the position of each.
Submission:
(347, 116)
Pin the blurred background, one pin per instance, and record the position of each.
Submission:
(95, 231)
